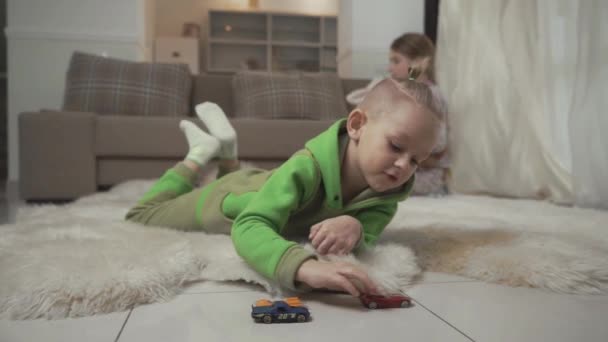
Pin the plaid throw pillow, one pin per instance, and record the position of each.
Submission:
(288, 96)
(112, 86)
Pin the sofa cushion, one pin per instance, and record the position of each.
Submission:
(309, 96)
(127, 137)
(108, 85)
(213, 88)
(274, 139)
(132, 136)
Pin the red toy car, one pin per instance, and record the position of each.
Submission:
(390, 301)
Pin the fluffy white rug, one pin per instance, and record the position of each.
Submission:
(83, 259)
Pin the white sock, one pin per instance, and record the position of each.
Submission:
(216, 121)
(202, 146)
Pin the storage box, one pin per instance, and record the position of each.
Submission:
(178, 50)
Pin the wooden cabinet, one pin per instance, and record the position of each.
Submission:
(270, 41)
(177, 50)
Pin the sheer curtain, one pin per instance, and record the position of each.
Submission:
(523, 80)
(588, 117)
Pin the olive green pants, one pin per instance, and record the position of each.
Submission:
(172, 201)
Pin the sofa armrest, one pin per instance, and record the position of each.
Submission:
(57, 155)
(350, 84)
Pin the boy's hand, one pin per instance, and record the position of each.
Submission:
(337, 235)
(336, 276)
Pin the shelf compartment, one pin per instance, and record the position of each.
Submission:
(270, 41)
(234, 57)
(240, 42)
(296, 28)
(295, 58)
(330, 31)
(328, 58)
(238, 26)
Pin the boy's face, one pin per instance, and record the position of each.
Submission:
(391, 146)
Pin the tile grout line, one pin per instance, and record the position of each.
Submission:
(123, 325)
(195, 293)
(449, 282)
(446, 322)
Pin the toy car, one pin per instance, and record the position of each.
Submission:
(391, 301)
(289, 310)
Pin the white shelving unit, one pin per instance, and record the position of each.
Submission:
(268, 41)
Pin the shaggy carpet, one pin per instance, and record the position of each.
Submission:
(82, 259)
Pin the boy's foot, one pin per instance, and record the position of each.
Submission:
(202, 145)
(216, 121)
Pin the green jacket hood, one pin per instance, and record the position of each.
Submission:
(325, 148)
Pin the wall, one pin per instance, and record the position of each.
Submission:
(171, 14)
(328, 7)
(366, 31)
(41, 36)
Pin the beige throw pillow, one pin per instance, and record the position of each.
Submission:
(113, 86)
(309, 96)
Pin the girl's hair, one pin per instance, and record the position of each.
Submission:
(417, 46)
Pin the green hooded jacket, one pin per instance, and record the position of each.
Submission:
(262, 208)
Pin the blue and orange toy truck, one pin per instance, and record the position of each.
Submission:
(289, 310)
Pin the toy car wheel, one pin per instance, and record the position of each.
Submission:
(406, 304)
(267, 319)
(301, 318)
(372, 305)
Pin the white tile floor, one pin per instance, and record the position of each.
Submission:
(447, 308)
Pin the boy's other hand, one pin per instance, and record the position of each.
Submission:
(341, 276)
(337, 235)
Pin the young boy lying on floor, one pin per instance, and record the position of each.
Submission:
(340, 191)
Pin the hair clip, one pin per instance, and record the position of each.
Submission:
(413, 73)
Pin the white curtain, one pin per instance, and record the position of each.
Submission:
(588, 117)
(524, 81)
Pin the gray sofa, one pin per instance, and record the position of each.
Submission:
(64, 155)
